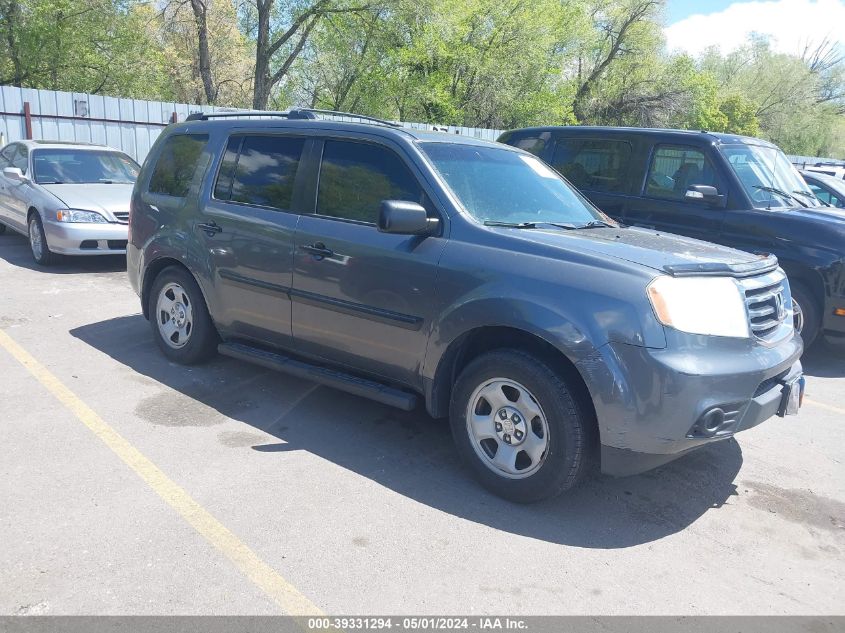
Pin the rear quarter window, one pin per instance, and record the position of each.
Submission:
(177, 164)
(592, 164)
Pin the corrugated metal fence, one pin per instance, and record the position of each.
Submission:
(131, 125)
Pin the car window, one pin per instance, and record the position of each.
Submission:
(82, 166)
(6, 156)
(500, 184)
(356, 177)
(20, 158)
(535, 143)
(674, 169)
(593, 164)
(820, 193)
(177, 164)
(826, 196)
(259, 170)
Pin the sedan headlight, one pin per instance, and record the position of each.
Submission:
(77, 215)
(700, 305)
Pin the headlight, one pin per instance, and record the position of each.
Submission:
(700, 305)
(75, 215)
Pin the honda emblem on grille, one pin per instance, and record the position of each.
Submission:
(781, 309)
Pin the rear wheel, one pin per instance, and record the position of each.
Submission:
(517, 425)
(38, 246)
(179, 318)
(806, 315)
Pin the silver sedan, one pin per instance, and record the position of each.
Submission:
(68, 198)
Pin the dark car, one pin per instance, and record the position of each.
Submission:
(733, 190)
(399, 265)
(830, 190)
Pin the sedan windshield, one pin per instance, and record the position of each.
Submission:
(66, 166)
(504, 186)
(768, 177)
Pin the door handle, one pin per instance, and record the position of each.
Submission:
(318, 250)
(210, 228)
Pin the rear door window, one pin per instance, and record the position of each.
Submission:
(674, 169)
(259, 170)
(594, 165)
(356, 177)
(177, 164)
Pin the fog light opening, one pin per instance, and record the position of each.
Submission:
(712, 421)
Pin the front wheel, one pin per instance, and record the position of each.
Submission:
(517, 424)
(805, 314)
(179, 318)
(41, 252)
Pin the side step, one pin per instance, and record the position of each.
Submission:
(332, 378)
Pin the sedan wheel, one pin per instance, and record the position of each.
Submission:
(38, 242)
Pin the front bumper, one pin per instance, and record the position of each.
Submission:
(71, 238)
(651, 403)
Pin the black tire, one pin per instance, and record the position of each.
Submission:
(567, 453)
(43, 256)
(810, 313)
(201, 339)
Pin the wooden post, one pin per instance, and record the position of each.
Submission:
(174, 118)
(27, 118)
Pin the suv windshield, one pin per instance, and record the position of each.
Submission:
(502, 185)
(66, 166)
(768, 177)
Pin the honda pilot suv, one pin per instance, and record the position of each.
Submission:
(403, 265)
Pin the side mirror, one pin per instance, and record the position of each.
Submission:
(706, 194)
(14, 173)
(405, 218)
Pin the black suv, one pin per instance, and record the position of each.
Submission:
(733, 190)
(399, 264)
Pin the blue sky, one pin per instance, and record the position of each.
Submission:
(791, 25)
(677, 10)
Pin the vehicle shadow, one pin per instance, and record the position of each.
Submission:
(824, 361)
(14, 249)
(412, 454)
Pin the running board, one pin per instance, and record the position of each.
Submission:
(330, 377)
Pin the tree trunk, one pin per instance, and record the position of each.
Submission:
(261, 91)
(12, 15)
(199, 9)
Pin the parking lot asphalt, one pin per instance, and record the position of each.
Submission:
(306, 498)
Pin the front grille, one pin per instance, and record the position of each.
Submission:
(122, 216)
(117, 245)
(765, 300)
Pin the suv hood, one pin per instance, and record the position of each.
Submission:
(100, 197)
(663, 252)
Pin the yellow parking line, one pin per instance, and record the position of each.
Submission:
(247, 561)
(821, 405)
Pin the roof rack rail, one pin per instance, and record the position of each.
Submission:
(290, 114)
(298, 114)
(353, 115)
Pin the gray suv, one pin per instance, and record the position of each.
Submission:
(402, 265)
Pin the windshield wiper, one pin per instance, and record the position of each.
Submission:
(780, 192)
(595, 224)
(531, 225)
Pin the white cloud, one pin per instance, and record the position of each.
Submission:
(792, 24)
